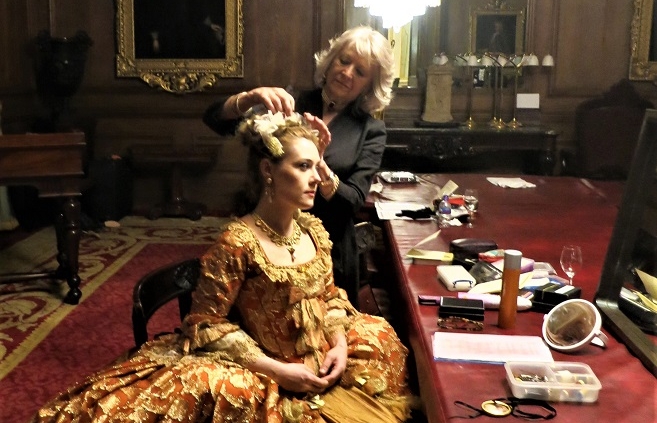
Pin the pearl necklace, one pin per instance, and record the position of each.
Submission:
(282, 241)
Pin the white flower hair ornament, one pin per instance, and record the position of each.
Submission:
(268, 124)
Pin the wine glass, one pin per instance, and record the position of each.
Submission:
(471, 201)
(571, 260)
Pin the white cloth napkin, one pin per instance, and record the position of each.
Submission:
(510, 182)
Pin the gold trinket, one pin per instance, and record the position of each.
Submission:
(289, 242)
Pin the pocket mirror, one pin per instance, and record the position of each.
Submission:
(573, 324)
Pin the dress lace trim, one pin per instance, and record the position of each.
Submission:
(305, 275)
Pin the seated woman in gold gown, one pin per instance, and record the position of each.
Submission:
(270, 338)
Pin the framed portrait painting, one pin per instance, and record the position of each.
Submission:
(179, 46)
(497, 27)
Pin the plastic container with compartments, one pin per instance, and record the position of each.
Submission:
(557, 381)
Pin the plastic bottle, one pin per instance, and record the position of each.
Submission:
(509, 295)
(444, 210)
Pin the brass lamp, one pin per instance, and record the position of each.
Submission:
(524, 61)
(470, 61)
(490, 61)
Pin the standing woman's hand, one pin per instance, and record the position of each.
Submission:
(273, 98)
(322, 129)
(329, 180)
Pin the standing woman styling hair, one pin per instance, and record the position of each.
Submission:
(269, 337)
(353, 80)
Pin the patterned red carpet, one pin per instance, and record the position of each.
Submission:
(46, 345)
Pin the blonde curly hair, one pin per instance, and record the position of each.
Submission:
(371, 45)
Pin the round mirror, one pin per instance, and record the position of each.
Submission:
(573, 324)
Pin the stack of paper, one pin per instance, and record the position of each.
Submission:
(510, 182)
(483, 348)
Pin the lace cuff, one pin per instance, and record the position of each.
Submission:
(335, 321)
(237, 347)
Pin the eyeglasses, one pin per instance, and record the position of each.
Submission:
(460, 323)
(527, 409)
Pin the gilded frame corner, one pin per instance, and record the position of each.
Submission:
(484, 12)
(642, 68)
(191, 72)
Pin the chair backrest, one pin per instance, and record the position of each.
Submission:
(607, 130)
(365, 242)
(174, 281)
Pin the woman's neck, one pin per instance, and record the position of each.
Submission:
(281, 222)
(331, 105)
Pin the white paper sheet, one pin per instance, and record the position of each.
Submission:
(528, 101)
(510, 182)
(486, 348)
(387, 210)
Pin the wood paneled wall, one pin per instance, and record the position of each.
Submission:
(589, 39)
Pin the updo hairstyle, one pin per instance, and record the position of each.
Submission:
(267, 136)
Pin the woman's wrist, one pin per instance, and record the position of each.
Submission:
(329, 186)
(266, 366)
(339, 340)
(236, 104)
(328, 180)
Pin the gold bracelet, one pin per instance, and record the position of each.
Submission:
(238, 112)
(336, 183)
(328, 180)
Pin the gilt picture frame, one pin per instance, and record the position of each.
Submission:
(179, 46)
(643, 43)
(497, 27)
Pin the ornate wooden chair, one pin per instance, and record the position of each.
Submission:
(607, 129)
(373, 295)
(174, 281)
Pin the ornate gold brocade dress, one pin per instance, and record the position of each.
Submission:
(244, 307)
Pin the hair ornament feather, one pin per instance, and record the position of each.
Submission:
(267, 125)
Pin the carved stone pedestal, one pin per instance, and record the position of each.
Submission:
(438, 102)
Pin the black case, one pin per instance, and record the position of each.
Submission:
(461, 307)
(546, 297)
(466, 250)
(485, 272)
